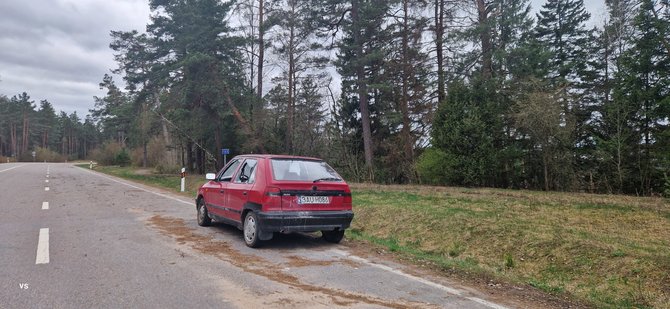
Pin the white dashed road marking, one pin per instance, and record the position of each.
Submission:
(11, 168)
(43, 247)
(45, 205)
(46, 188)
(47, 181)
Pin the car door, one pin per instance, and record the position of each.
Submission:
(216, 199)
(239, 188)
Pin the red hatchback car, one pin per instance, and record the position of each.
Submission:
(264, 194)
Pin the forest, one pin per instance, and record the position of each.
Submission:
(476, 93)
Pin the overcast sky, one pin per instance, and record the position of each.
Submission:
(58, 50)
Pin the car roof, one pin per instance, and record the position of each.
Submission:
(276, 156)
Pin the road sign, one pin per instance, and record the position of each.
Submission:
(225, 151)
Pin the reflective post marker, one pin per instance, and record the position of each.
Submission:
(183, 179)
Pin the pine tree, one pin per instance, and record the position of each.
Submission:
(645, 87)
(360, 55)
(562, 29)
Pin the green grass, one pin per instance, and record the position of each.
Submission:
(609, 251)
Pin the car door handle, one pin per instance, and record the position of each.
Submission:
(220, 191)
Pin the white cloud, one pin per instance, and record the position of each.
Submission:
(59, 50)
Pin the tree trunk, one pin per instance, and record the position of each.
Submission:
(362, 89)
(291, 87)
(189, 156)
(406, 68)
(439, 49)
(13, 139)
(199, 160)
(144, 154)
(219, 145)
(485, 37)
(24, 135)
(261, 48)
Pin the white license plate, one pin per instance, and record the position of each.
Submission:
(313, 200)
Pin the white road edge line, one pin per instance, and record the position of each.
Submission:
(340, 252)
(417, 279)
(139, 188)
(43, 247)
(45, 205)
(11, 168)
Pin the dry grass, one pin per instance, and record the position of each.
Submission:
(611, 251)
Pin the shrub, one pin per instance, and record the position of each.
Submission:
(107, 153)
(162, 168)
(433, 166)
(122, 158)
(45, 154)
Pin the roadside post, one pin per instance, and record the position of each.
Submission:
(90, 165)
(183, 179)
(225, 152)
(34, 154)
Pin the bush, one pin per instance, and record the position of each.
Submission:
(45, 154)
(111, 153)
(162, 168)
(433, 166)
(122, 158)
(155, 153)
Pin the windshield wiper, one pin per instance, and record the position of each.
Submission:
(328, 179)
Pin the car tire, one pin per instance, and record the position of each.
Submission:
(251, 230)
(203, 215)
(333, 236)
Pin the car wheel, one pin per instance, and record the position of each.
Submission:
(251, 230)
(203, 216)
(333, 236)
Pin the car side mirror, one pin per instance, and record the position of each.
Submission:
(210, 176)
(244, 178)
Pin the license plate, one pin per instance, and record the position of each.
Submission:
(313, 200)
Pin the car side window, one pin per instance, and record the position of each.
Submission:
(227, 174)
(247, 173)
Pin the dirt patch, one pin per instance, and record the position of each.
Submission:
(177, 229)
(298, 261)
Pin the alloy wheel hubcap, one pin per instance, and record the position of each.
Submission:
(250, 229)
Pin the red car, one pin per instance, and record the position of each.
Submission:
(264, 194)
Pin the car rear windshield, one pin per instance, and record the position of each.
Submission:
(303, 170)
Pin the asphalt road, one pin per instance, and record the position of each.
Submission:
(95, 241)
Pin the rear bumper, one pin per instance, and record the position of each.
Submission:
(304, 221)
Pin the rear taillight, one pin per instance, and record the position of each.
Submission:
(272, 199)
(273, 191)
(347, 201)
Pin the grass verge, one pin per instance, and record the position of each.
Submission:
(609, 251)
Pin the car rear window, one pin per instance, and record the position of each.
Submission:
(303, 170)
